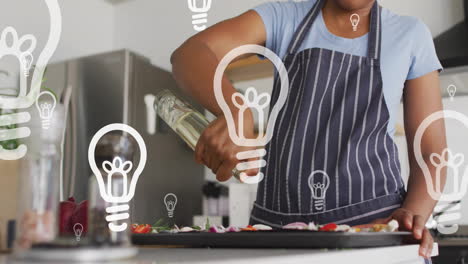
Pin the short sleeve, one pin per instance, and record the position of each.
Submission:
(272, 16)
(423, 54)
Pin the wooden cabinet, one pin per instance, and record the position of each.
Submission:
(8, 196)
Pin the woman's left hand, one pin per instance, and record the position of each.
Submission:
(414, 223)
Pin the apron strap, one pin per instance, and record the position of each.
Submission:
(375, 34)
(305, 26)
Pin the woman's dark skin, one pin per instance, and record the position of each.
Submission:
(194, 64)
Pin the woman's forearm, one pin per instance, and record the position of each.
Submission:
(418, 199)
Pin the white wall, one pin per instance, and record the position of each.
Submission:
(155, 28)
(87, 26)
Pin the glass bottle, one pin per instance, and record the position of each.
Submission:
(188, 123)
(38, 195)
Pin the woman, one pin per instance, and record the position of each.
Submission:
(338, 123)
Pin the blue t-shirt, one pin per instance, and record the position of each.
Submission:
(407, 47)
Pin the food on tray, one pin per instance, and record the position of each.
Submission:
(391, 226)
(261, 227)
(161, 227)
(141, 229)
(296, 226)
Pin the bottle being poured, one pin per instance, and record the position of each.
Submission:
(188, 123)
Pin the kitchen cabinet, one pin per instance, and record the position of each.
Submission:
(8, 192)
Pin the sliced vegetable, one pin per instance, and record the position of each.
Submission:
(142, 229)
(328, 227)
(249, 228)
(296, 226)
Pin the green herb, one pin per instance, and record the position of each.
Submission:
(160, 222)
(198, 228)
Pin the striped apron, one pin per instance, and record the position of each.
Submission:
(331, 158)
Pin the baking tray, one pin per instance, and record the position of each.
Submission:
(276, 239)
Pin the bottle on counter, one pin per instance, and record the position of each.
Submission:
(38, 200)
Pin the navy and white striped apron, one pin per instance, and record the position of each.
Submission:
(331, 158)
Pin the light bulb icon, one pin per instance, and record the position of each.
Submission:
(199, 18)
(170, 200)
(448, 203)
(78, 230)
(117, 211)
(355, 19)
(254, 101)
(26, 60)
(452, 90)
(319, 181)
(46, 103)
(22, 48)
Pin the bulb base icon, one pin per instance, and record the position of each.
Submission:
(199, 18)
(257, 163)
(117, 213)
(446, 214)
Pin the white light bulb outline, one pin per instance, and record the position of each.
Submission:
(200, 16)
(42, 61)
(26, 100)
(26, 62)
(452, 91)
(100, 180)
(355, 19)
(46, 112)
(78, 230)
(444, 114)
(170, 206)
(284, 90)
(316, 186)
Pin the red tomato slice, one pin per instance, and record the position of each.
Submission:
(329, 227)
(249, 228)
(142, 229)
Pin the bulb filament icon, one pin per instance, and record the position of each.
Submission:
(199, 18)
(78, 230)
(118, 168)
(170, 200)
(319, 181)
(355, 19)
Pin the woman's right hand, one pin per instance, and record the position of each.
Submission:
(217, 151)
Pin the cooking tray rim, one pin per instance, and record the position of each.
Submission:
(272, 239)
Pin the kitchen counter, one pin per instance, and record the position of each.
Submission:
(401, 255)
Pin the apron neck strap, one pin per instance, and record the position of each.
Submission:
(305, 26)
(375, 33)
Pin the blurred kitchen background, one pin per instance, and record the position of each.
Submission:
(134, 47)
